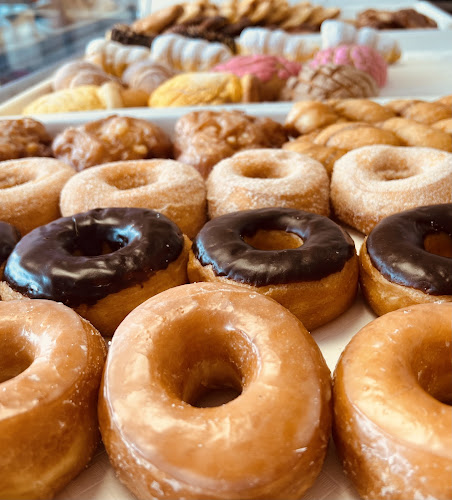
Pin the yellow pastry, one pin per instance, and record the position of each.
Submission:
(83, 98)
(190, 89)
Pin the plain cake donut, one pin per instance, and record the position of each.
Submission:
(304, 261)
(392, 413)
(269, 442)
(30, 191)
(259, 178)
(102, 263)
(170, 187)
(50, 372)
(373, 182)
(407, 259)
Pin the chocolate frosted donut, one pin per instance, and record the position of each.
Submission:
(87, 259)
(308, 264)
(407, 259)
(9, 236)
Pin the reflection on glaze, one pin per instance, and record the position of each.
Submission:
(64, 260)
(396, 249)
(326, 247)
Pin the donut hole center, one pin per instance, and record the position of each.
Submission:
(129, 181)
(94, 242)
(206, 368)
(16, 356)
(263, 171)
(12, 180)
(439, 244)
(432, 366)
(270, 239)
(393, 171)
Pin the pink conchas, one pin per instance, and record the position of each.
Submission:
(360, 56)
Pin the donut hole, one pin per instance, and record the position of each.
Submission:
(386, 170)
(439, 244)
(206, 368)
(432, 366)
(263, 170)
(16, 356)
(124, 182)
(90, 242)
(12, 180)
(269, 239)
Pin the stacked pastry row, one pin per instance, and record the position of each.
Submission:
(181, 71)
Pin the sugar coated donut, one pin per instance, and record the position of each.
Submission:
(392, 413)
(269, 442)
(407, 259)
(304, 261)
(50, 371)
(30, 191)
(170, 187)
(373, 182)
(102, 263)
(260, 178)
(9, 236)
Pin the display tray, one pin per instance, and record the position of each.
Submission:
(418, 73)
(98, 481)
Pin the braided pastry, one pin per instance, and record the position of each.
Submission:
(188, 54)
(326, 155)
(114, 57)
(146, 75)
(444, 125)
(421, 111)
(417, 134)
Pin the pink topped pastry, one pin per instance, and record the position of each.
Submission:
(361, 57)
(271, 72)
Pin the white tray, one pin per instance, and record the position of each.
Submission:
(98, 481)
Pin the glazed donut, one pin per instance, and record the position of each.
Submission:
(50, 372)
(304, 261)
(392, 428)
(30, 191)
(102, 263)
(163, 444)
(407, 259)
(170, 187)
(373, 182)
(259, 178)
(9, 236)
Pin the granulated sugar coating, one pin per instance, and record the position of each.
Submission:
(373, 182)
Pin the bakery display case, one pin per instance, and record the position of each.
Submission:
(201, 81)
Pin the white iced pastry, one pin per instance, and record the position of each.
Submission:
(188, 54)
(336, 33)
(276, 42)
(114, 57)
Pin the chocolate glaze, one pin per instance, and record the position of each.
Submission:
(396, 248)
(9, 236)
(43, 264)
(326, 247)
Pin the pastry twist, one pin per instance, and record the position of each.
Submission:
(114, 57)
(186, 54)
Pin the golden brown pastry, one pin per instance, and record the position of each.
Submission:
(308, 116)
(157, 21)
(326, 155)
(22, 138)
(444, 125)
(420, 111)
(417, 134)
(111, 139)
(50, 373)
(329, 81)
(77, 73)
(361, 110)
(203, 138)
